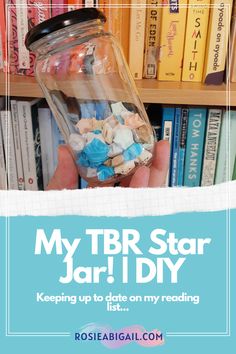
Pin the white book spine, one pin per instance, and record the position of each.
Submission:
(137, 35)
(9, 148)
(27, 145)
(91, 3)
(167, 135)
(16, 135)
(211, 146)
(45, 127)
(22, 29)
(3, 175)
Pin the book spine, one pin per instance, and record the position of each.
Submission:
(2, 102)
(45, 128)
(104, 7)
(3, 33)
(194, 147)
(182, 146)
(30, 14)
(222, 159)
(234, 172)
(152, 39)
(9, 148)
(137, 33)
(27, 145)
(1, 52)
(125, 28)
(211, 146)
(167, 133)
(175, 149)
(22, 29)
(227, 148)
(157, 130)
(16, 135)
(58, 7)
(3, 175)
(115, 19)
(37, 146)
(57, 140)
(217, 42)
(232, 147)
(90, 3)
(36, 13)
(11, 23)
(232, 59)
(173, 25)
(118, 21)
(74, 4)
(195, 40)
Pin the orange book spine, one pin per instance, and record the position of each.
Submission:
(125, 27)
(104, 7)
(74, 4)
(114, 19)
(117, 23)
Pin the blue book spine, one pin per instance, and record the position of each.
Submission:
(175, 149)
(182, 146)
(168, 117)
(195, 145)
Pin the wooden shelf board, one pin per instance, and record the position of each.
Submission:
(151, 91)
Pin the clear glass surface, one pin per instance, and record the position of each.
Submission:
(88, 86)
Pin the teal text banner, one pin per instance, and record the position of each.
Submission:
(70, 281)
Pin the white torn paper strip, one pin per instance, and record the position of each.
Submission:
(119, 201)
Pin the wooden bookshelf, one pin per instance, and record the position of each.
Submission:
(151, 91)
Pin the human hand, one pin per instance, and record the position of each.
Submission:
(66, 174)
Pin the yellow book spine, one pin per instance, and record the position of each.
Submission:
(173, 25)
(125, 28)
(152, 38)
(195, 40)
(137, 33)
(217, 41)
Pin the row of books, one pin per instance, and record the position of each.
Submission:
(203, 145)
(17, 17)
(202, 141)
(165, 39)
(184, 41)
(29, 138)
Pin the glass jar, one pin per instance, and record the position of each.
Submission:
(87, 84)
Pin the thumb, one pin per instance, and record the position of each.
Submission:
(66, 173)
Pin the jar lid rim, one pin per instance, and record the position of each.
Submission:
(61, 21)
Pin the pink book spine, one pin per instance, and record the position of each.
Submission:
(61, 9)
(11, 28)
(3, 33)
(38, 11)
